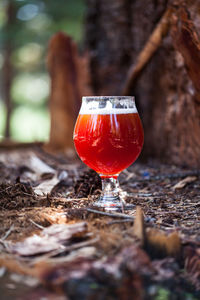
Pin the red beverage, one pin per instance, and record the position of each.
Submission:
(108, 143)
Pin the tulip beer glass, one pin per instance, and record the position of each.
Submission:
(108, 137)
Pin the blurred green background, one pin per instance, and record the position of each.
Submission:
(24, 35)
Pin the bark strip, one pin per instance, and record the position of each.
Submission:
(151, 46)
(187, 42)
(69, 82)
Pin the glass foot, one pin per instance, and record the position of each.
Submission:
(111, 204)
(110, 199)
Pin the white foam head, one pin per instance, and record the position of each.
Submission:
(111, 106)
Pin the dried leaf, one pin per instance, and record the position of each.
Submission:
(181, 184)
(46, 186)
(54, 237)
(39, 166)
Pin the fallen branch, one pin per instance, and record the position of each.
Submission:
(37, 225)
(147, 52)
(53, 239)
(8, 232)
(120, 221)
(114, 215)
(51, 256)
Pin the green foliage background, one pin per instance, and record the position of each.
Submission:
(34, 23)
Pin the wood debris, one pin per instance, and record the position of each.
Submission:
(55, 217)
(39, 167)
(159, 244)
(55, 237)
(181, 184)
(186, 40)
(69, 81)
(110, 243)
(46, 186)
(123, 273)
(151, 46)
(139, 226)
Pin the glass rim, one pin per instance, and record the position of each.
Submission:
(92, 98)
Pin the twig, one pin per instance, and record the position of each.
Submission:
(37, 225)
(50, 256)
(114, 215)
(147, 52)
(69, 199)
(8, 232)
(120, 221)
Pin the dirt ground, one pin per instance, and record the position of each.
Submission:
(151, 254)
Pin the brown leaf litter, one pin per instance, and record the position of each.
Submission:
(68, 245)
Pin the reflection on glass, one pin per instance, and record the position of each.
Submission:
(108, 137)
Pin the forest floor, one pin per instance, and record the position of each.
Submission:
(55, 245)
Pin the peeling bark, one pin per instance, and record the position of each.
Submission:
(69, 82)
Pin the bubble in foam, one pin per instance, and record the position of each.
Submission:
(94, 107)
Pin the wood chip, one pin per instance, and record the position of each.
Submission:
(157, 243)
(46, 186)
(39, 166)
(139, 227)
(52, 238)
(181, 184)
(160, 245)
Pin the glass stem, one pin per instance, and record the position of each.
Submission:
(110, 188)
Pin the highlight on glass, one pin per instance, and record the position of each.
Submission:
(108, 137)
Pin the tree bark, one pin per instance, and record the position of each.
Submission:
(167, 87)
(69, 81)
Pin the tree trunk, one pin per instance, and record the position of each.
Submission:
(8, 68)
(69, 81)
(166, 89)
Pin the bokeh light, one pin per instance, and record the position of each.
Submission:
(34, 124)
(30, 88)
(27, 35)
